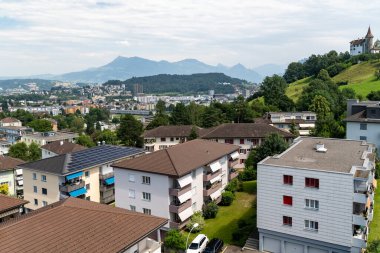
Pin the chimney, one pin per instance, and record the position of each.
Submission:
(320, 147)
(61, 142)
(98, 143)
(103, 142)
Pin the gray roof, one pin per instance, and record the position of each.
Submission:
(83, 159)
(341, 155)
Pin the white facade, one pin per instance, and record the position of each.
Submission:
(356, 49)
(284, 120)
(369, 132)
(158, 143)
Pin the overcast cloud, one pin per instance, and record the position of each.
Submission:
(47, 36)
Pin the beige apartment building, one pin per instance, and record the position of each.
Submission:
(84, 174)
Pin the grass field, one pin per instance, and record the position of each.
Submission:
(295, 89)
(226, 221)
(375, 224)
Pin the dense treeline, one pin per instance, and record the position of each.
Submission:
(183, 83)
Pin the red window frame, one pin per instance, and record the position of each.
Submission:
(229, 141)
(287, 179)
(241, 141)
(287, 200)
(287, 221)
(312, 182)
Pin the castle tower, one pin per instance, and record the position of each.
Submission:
(368, 41)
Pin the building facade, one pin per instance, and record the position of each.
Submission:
(299, 208)
(47, 137)
(365, 45)
(11, 176)
(303, 122)
(10, 207)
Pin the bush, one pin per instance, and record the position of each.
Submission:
(374, 247)
(248, 174)
(210, 210)
(175, 240)
(233, 185)
(377, 170)
(196, 218)
(227, 198)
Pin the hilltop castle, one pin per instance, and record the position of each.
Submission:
(365, 45)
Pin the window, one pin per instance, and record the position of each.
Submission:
(43, 178)
(312, 182)
(288, 179)
(34, 176)
(241, 141)
(88, 198)
(171, 139)
(36, 202)
(131, 178)
(163, 139)
(35, 189)
(86, 173)
(44, 191)
(87, 186)
(229, 141)
(133, 208)
(44, 203)
(147, 211)
(131, 193)
(146, 196)
(363, 126)
(312, 204)
(242, 151)
(242, 161)
(287, 200)
(363, 138)
(287, 221)
(145, 180)
(312, 225)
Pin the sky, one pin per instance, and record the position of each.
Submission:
(51, 36)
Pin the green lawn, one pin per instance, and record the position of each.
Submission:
(295, 89)
(226, 222)
(375, 224)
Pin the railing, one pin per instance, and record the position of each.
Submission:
(208, 177)
(178, 224)
(71, 187)
(107, 200)
(212, 189)
(177, 208)
(233, 163)
(104, 188)
(232, 175)
(151, 246)
(178, 192)
(105, 176)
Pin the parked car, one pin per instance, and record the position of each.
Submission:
(198, 244)
(214, 246)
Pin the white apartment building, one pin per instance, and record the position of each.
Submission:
(303, 121)
(316, 197)
(175, 182)
(85, 174)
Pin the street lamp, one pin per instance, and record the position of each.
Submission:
(194, 226)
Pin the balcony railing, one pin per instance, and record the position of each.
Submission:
(71, 187)
(149, 246)
(232, 175)
(178, 192)
(178, 224)
(212, 189)
(209, 176)
(104, 188)
(105, 176)
(233, 163)
(107, 200)
(177, 208)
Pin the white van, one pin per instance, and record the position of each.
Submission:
(198, 244)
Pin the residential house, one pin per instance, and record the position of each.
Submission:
(79, 226)
(10, 122)
(59, 148)
(10, 207)
(10, 176)
(175, 182)
(317, 196)
(13, 134)
(303, 122)
(85, 174)
(47, 137)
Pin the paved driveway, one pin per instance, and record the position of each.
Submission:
(235, 249)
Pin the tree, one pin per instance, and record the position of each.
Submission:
(108, 136)
(293, 129)
(130, 131)
(158, 120)
(227, 198)
(34, 153)
(210, 210)
(211, 117)
(377, 74)
(4, 106)
(320, 106)
(41, 125)
(196, 218)
(19, 150)
(180, 115)
(77, 125)
(242, 112)
(193, 134)
(160, 107)
(374, 96)
(85, 140)
(4, 189)
(175, 240)
(294, 72)
(273, 89)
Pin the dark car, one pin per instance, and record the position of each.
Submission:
(214, 246)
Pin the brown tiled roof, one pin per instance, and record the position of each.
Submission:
(357, 42)
(66, 147)
(9, 120)
(180, 159)
(262, 120)
(7, 162)
(171, 131)
(245, 130)
(9, 203)
(75, 225)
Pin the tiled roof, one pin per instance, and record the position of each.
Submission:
(180, 159)
(172, 131)
(9, 203)
(77, 226)
(64, 148)
(7, 162)
(357, 42)
(9, 120)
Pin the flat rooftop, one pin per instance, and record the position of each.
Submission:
(340, 156)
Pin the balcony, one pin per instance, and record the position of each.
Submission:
(105, 188)
(359, 220)
(179, 191)
(213, 188)
(105, 176)
(232, 175)
(149, 246)
(359, 238)
(178, 224)
(233, 163)
(360, 198)
(209, 176)
(107, 200)
(177, 208)
(72, 186)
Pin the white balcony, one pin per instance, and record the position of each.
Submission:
(359, 220)
(360, 198)
(149, 246)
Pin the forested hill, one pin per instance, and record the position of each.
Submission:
(165, 83)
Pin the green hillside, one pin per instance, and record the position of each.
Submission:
(360, 77)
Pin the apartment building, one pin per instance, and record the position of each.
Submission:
(59, 148)
(11, 176)
(79, 226)
(363, 121)
(47, 137)
(302, 121)
(85, 174)
(247, 135)
(10, 207)
(9, 121)
(316, 197)
(175, 182)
